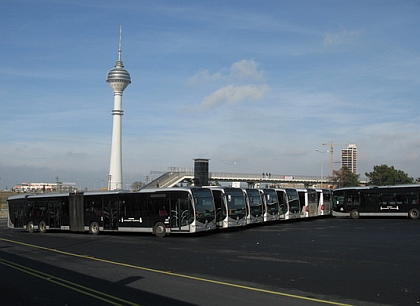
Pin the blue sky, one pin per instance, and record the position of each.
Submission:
(255, 86)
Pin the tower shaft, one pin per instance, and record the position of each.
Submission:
(115, 181)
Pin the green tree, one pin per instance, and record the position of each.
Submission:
(345, 178)
(384, 175)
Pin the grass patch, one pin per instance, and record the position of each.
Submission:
(3, 198)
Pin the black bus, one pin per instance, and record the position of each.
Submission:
(394, 201)
(158, 211)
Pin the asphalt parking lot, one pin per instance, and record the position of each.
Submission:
(355, 262)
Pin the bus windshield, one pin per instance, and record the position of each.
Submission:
(293, 196)
(255, 202)
(272, 201)
(236, 201)
(204, 205)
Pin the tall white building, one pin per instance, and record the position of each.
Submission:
(349, 158)
(118, 79)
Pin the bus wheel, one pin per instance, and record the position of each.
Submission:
(159, 230)
(30, 227)
(354, 214)
(42, 227)
(414, 213)
(94, 228)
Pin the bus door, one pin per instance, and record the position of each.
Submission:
(312, 202)
(20, 210)
(283, 204)
(181, 214)
(54, 213)
(326, 201)
(304, 208)
(220, 203)
(110, 211)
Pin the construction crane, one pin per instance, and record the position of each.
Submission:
(332, 144)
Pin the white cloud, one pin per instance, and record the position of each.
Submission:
(204, 76)
(247, 70)
(343, 37)
(233, 94)
(242, 71)
(242, 81)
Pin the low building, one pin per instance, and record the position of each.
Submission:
(45, 187)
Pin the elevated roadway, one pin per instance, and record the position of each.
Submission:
(171, 179)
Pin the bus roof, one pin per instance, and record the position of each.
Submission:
(378, 187)
(323, 189)
(105, 192)
(306, 189)
(145, 190)
(19, 196)
(222, 187)
(49, 195)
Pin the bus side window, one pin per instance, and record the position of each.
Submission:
(353, 199)
(412, 199)
(163, 212)
(356, 200)
(400, 199)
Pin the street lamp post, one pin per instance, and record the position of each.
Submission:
(322, 164)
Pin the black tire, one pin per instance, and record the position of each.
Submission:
(94, 228)
(159, 230)
(42, 226)
(354, 214)
(30, 227)
(414, 213)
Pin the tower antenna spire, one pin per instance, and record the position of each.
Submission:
(119, 44)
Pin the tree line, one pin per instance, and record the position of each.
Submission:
(382, 175)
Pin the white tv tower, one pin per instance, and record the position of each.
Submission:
(118, 79)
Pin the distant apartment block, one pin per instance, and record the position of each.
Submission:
(349, 158)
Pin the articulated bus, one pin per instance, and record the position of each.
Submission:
(393, 201)
(324, 202)
(161, 211)
(308, 199)
(292, 201)
(232, 206)
(257, 205)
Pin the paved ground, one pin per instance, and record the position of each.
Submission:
(320, 261)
